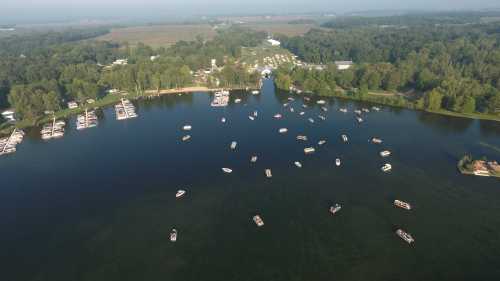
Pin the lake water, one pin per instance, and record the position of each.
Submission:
(99, 204)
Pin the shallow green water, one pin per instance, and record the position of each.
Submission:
(99, 204)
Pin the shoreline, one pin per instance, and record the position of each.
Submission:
(474, 116)
(111, 99)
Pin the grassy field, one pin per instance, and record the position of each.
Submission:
(159, 35)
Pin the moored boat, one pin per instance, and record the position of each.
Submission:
(309, 150)
(298, 164)
(344, 138)
(302, 138)
(337, 162)
(173, 235)
(223, 120)
(402, 204)
(405, 236)
(344, 110)
(180, 193)
(321, 142)
(227, 170)
(186, 138)
(335, 209)
(251, 118)
(311, 120)
(385, 153)
(386, 168)
(376, 140)
(255, 92)
(258, 220)
(283, 130)
(268, 173)
(187, 127)
(321, 102)
(233, 145)
(278, 116)
(237, 100)
(253, 159)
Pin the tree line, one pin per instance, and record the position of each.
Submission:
(36, 79)
(450, 67)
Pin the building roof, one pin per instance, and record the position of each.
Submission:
(344, 62)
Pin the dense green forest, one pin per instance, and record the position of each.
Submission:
(50, 69)
(452, 67)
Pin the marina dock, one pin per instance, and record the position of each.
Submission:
(86, 120)
(53, 130)
(125, 110)
(8, 145)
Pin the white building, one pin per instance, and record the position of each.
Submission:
(273, 42)
(72, 105)
(343, 65)
(120, 62)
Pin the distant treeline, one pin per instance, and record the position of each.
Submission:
(414, 19)
(455, 67)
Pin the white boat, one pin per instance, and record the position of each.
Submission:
(322, 117)
(258, 220)
(302, 113)
(335, 208)
(255, 113)
(251, 118)
(307, 98)
(309, 150)
(291, 99)
(402, 204)
(285, 104)
(268, 173)
(405, 236)
(253, 159)
(311, 120)
(186, 138)
(255, 92)
(324, 108)
(344, 110)
(292, 110)
(233, 145)
(365, 110)
(180, 193)
(321, 142)
(283, 130)
(173, 235)
(227, 170)
(187, 128)
(305, 106)
(385, 153)
(376, 108)
(387, 167)
(278, 116)
(298, 164)
(223, 120)
(302, 138)
(357, 111)
(376, 140)
(337, 162)
(359, 119)
(344, 138)
(321, 102)
(237, 100)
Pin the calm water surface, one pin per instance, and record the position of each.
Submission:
(99, 204)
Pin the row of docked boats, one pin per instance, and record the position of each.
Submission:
(53, 130)
(125, 110)
(86, 120)
(8, 144)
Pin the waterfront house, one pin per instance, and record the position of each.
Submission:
(343, 65)
(72, 105)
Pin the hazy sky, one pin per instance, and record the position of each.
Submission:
(49, 10)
